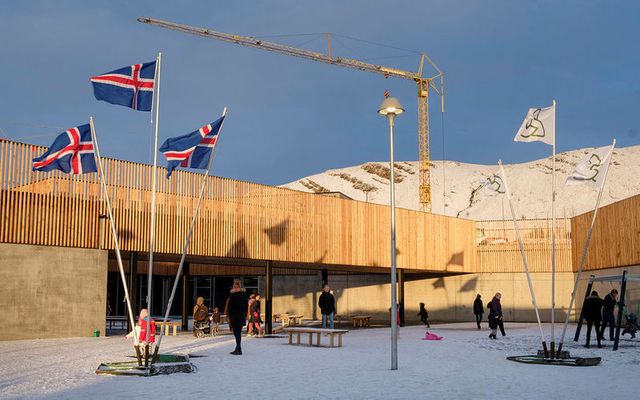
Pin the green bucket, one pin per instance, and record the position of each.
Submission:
(96, 333)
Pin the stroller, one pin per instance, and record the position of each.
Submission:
(202, 328)
(631, 326)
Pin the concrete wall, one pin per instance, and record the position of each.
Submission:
(447, 298)
(51, 291)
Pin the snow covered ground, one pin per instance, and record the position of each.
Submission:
(465, 365)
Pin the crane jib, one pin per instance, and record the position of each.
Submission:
(424, 191)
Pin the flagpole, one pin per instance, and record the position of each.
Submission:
(584, 252)
(188, 239)
(156, 95)
(524, 260)
(115, 237)
(553, 235)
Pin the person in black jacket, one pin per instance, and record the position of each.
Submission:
(592, 311)
(495, 316)
(608, 306)
(424, 315)
(327, 304)
(478, 309)
(237, 312)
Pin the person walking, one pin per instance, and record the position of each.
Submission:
(327, 304)
(593, 314)
(236, 313)
(252, 298)
(424, 315)
(608, 306)
(478, 309)
(254, 316)
(495, 316)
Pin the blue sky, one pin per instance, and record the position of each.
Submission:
(289, 117)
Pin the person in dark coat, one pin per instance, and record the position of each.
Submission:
(327, 304)
(592, 311)
(495, 316)
(424, 315)
(478, 309)
(608, 305)
(237, 312)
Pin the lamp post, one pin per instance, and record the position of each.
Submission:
(391, 107)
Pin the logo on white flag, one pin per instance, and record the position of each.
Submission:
(538, 126)
(495, 184)
(592, 167)
(534, 127)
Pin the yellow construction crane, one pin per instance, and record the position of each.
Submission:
(423, 83)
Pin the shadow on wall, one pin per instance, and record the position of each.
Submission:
(456, 259)
(278, 233)
(511, 314)
(238, 249)
(470, 285)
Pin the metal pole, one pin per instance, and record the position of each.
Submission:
(524, 260)
(553, 237)
(581, 318)
(113, 229)
(268, 308)
(584, 254)
(196, 212)
(623, 289)
(156, 94)
(394, 310)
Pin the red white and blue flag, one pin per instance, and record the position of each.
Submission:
(129, 86)
(72, 153)
(192, 150)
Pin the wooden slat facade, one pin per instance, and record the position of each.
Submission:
(615, 241)
(238, 220)
(498, 249)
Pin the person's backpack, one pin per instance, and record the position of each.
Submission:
(489, 306)
(201, 313)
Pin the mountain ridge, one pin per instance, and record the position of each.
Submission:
(461, 194)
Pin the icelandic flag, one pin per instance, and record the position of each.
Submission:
(192, 150)
(72, 153)
(129, 86)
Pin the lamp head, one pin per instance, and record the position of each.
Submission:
(390, 106)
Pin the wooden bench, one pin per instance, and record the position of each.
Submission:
(174, 324)
(318, 332)
(361, 320)
(122, 320)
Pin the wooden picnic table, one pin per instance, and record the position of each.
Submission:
(339, 317)
(289, 319)
(361, 320)
(174, 324)
(318, 332)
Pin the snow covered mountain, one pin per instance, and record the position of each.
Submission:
(455, 186)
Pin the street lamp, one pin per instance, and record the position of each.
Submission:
(391, 107)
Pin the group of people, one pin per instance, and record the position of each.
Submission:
(597, 310)
(495, 314)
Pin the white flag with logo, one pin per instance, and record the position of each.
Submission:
(592, 167)
(495, 184)
(538, 126)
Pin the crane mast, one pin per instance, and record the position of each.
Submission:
(423, 84)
